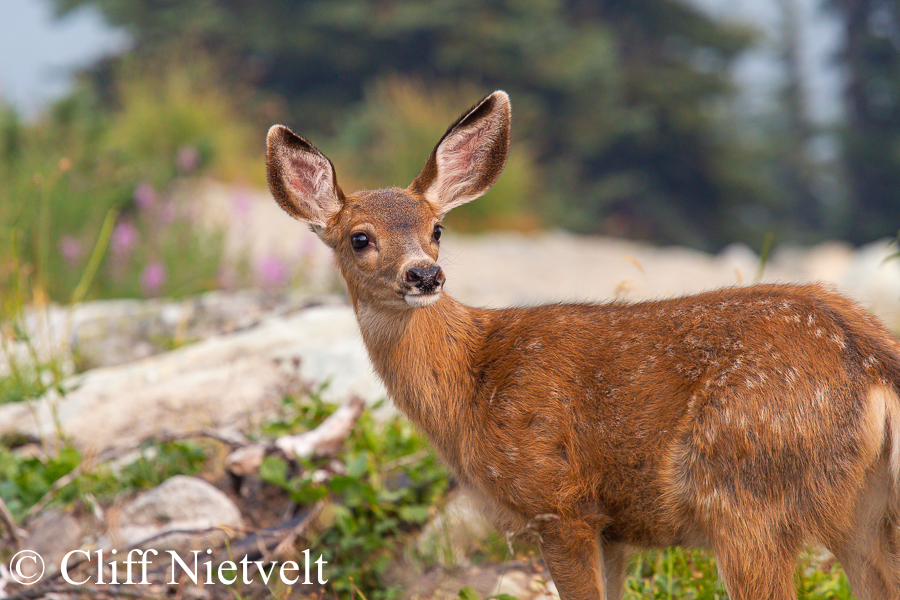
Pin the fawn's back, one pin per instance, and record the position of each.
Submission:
(749, 420)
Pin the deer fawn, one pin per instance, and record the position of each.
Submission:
(748, 420)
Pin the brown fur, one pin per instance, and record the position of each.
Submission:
(749, 420)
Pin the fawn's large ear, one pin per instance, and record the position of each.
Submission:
(469, 158)
(301, 178)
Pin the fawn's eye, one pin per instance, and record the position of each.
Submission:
(436, 236)
(359, 241)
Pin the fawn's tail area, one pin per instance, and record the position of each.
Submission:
(749, 420)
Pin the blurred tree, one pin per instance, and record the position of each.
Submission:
(625, 103)
(871, 56)
(800, 170)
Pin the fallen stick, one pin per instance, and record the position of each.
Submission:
(321, 441)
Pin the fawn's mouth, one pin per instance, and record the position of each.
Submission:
(422, 299)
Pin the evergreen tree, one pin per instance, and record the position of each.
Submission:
(871, 56)
(624, 102)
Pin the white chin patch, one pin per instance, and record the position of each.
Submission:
(421, 300)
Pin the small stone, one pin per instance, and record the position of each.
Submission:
(181, 514)
(451, 535)
(53, 534)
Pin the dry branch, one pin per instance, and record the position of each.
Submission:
(18, 534)
(321, 441)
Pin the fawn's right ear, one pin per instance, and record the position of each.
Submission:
(301, 178)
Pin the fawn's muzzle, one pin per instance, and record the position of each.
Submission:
(425, 280)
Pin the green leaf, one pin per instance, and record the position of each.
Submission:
(414, 514)
(358, 465)
(274, 470)
(467, 593)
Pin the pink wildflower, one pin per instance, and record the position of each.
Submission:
(241, 203)
(71, 249)
(153, 277)
(144, 196)
(187, 159)
(124, 237)
(271, 271)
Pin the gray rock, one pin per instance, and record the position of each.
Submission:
(52, 535)
(113, 332)
(449, 538)
(181, 514)
(231, 380)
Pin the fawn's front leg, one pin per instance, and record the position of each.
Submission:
(615, 559)
(574, 559)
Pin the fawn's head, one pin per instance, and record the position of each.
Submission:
(386, 241)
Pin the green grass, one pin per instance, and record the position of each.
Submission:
(681, 573)
(26, 479)
(673, 573)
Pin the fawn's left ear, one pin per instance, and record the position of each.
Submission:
(301, 178)
(469, 158)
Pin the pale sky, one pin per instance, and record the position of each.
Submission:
(39, 54)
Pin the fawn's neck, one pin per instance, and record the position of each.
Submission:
(423, 356)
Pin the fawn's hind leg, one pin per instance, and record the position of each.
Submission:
(756, 573)
(870, 553)
(871, 570)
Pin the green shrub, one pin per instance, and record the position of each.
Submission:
(378, 500)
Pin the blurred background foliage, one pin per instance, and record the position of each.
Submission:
(625, 116)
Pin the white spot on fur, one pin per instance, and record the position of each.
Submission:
(837, 339)
(726, 415)
(791, 375)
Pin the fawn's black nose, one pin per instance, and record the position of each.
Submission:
(425, 279)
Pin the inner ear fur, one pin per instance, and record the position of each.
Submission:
(469, 157)
(302, 179)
